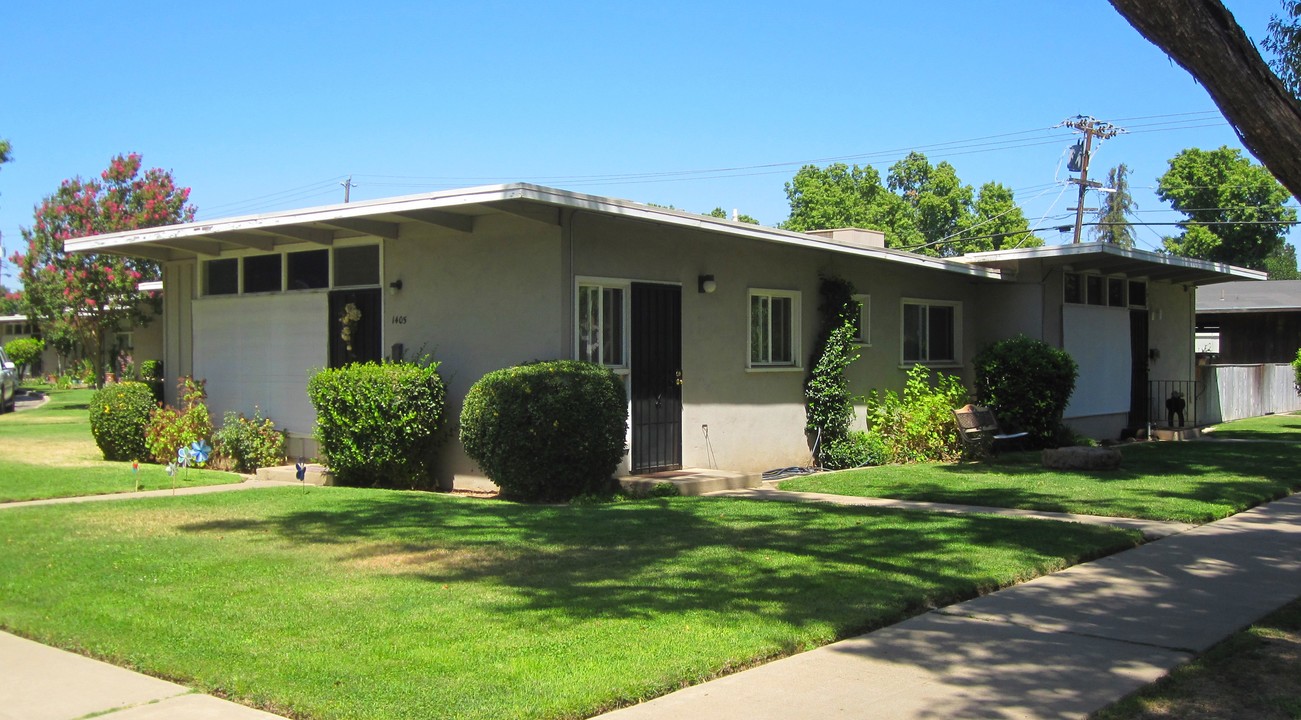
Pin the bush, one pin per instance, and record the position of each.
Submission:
(546, 431)
(24, 352)
(151, 370)
(918, 426)
(1296, 370)
(171, 429)
(380, 424)
(119, 414)
(828, 405)
(244, 444)
(1027, 383)
(856, 449)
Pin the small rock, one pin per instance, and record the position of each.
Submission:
(1081, 458)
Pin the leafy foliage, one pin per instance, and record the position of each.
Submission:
(1028, 384)
(171, 429)
(1115, 210)
(855, 449)
(119, 413)
(1242, 199)
(1284, 43)
(380, 424)
(88, 295)
(546, 431)
(918, 425)
(1296, 370)
(246, 444)
(24, 351)
(1281, 264)
(828, 404)
(920, 207)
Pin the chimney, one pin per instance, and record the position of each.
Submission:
(852, 237)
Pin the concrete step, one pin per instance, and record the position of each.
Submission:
(315, 475)
(691, 481)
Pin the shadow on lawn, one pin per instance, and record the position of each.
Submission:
(852, 568)
(1229, 476)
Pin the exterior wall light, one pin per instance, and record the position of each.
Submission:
(395, 286)
(706, 284)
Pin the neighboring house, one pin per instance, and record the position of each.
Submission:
(709, 321)
(1250, 322)
(1248, 333)
(143, 342)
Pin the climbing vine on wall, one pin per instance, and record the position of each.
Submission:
(828, 404)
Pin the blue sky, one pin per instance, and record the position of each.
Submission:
(267, 106)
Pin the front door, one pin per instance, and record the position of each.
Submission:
(656, 377)
(1139, 408)
(354, 323)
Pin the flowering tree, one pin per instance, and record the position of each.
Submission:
(91, 296)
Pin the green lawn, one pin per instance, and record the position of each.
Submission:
(1269, 427)
(1183, 481)
(49, 452)
(351, 603)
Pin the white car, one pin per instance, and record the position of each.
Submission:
(8, 382)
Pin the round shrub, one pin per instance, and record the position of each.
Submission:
(246, 444)
(119, 414)
(546, 431)
(380, 424)
(1028, 383)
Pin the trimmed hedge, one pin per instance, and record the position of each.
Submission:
(380, 424)
(1028, 383)
(119, 414)
(547, 431)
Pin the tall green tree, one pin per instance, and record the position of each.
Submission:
(1113, 215)
(88, 295)
(920, 207)
(1282, 264)
(1238, 204)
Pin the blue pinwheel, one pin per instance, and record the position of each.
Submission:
(199, 452)
(183, 457)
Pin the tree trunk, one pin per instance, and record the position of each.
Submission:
(1203, 37)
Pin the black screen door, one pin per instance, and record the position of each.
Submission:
(656, 376)
(1138, 341)
(355, 323)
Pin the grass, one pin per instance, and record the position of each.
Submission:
(1268, 427)
(349, 603)
(1193, 482)
(1254, 674)
(48, 452)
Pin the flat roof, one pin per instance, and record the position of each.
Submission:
(456, 210)
(1241, 297)
(1112, 259)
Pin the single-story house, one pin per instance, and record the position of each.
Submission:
(1250, 322)
(710, 321)
(139, 343)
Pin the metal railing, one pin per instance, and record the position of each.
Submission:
(1172, 403)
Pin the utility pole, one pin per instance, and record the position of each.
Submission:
(347, 188)
(1090, 127)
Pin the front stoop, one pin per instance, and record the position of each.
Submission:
(1168, 434)
(315, 475)
(691, 481)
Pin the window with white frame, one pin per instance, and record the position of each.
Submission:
(602, 309)
(774, 328)
(863, 320)
(932, 331)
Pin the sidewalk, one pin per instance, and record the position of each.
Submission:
(1060, 646)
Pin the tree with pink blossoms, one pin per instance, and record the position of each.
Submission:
(92, 296)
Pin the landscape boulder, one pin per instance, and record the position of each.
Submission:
(1081, 458)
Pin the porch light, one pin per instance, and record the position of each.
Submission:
(706, 284)
(395, 286)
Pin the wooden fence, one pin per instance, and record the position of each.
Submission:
(1233, 392)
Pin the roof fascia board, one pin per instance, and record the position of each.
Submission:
(1147, 258)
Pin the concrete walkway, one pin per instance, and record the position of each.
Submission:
(1060, 646)
(189, 490)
